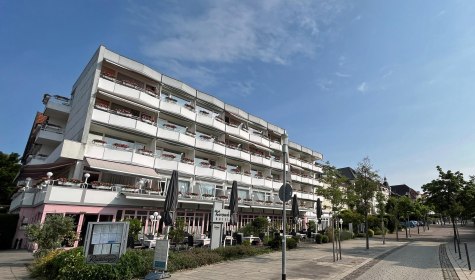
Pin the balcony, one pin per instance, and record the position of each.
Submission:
(317, 168)
(205, 171)
(306, 165)
(49, 134)
(275, 145)
(170, 106)
(176, 136)
(257, 181)
(56, 105)
(124, 121)
(260, 160)
(236, 130)
(210, 146)
(295, 161)
(276, 164)
(209, 120)
(259, 139)
(236, 153)
(170, 165)
(129, 92)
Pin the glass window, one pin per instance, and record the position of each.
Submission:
(243, 194)
(207, 188)
(259, 195)
(184, 186)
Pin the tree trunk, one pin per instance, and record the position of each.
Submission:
(397, 229)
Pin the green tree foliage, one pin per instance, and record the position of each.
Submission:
(445, 194)
(392, 208)
(135, 226)
(349, 216)
(9, 167)
(366, 184)
(177, 233)
(332, 189)
(257, 227)
(49, 235)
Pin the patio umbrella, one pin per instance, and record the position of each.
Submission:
(295, 209)
(233, 204)
(171, 200)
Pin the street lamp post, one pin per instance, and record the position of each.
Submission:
(285, 150)
(49, 175)
(339, 236)
(155, 218)
(268, 225)
(87, 175)
(28, 181)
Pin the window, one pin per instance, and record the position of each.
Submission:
(243, 194)
(208, 189)
(184, 186)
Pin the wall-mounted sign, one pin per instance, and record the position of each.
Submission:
(160, 258)
(221, 216)
(105, 242)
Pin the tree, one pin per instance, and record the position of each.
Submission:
(48, 236)
(9, 167)
(405, 206)
(332, 189)
(366, 184)
(392, 208)
(445, 194)
(177, 233)
(135, 226)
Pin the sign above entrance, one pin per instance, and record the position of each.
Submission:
(221, 216)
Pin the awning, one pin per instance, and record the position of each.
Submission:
(39, 170)
(121, 168)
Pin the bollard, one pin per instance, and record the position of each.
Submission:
(458, 246)
(468, 257)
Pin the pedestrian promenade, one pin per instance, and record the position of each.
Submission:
(309, 261)
(459, 261)
(13, 264)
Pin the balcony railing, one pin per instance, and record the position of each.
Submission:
(167, 104)
(124, 120)
(129, 91)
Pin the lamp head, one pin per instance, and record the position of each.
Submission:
(87, 175)
(49, 174)
(155, 214)
(152, 217)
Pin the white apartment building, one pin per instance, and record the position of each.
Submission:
(106, 153)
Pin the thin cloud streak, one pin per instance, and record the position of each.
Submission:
(228, 32)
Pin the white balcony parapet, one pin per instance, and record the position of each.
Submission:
(257, 138)
(127, 122)
(210, 121)
(176, 136)
(176, 109)
(231, 129)
(129, 93)
(233, 152)
(211, 146)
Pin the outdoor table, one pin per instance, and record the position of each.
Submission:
(252, 238)
(203, 241)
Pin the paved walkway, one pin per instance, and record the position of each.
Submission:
(13, 264)
(315, 261)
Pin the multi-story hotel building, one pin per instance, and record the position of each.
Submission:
(106, 153)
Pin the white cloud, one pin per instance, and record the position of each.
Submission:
(325, 84)
(363, 87)
(231, 31)
(342, 75)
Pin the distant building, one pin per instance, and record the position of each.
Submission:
(404, 190)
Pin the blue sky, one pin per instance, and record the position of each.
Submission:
(391, 80)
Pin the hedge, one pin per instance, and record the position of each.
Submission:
(135, 263)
